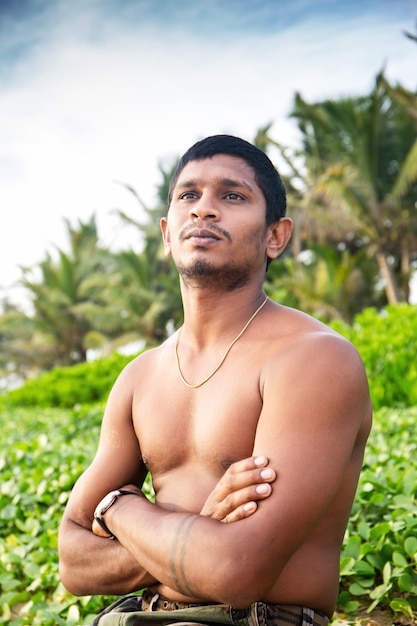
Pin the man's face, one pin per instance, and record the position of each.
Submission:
(215, 228)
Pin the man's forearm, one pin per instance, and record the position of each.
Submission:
(196, 556)
(91, 565)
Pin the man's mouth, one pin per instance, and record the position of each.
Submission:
(202, 234)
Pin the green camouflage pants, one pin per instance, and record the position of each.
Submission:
(155, 610)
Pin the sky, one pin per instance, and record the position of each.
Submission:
(97, 94)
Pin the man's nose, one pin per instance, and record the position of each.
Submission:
(205, 208)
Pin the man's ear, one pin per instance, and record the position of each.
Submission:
(165, 235)
(279, 234)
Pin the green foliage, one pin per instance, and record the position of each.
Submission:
(67, 299)
(387, 342)
(84, 383)
(353, 183)
(379, 558)
(43, 451)
(329, 284)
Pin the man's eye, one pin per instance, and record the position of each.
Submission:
(233, 196)
(188, 195)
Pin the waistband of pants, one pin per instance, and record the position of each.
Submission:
(267, 613)
(155, 602)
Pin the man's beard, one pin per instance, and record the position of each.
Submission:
(202, 274)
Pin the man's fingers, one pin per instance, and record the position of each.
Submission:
(242, 503)
(246, 510)
(243, 483)
(243, 474)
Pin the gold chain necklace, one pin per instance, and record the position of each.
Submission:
(216, 369)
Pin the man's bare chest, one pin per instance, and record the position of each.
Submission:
(210, 427)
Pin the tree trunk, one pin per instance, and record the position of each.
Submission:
(405, 269)
(391, 287)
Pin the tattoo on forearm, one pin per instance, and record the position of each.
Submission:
(182, 555)
(177, 556)
(172, 562)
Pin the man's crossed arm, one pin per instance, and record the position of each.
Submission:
(107, 567)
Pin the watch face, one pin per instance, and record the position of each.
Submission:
(107, 501)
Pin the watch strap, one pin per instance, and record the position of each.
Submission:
(102, 523)
(126, 492)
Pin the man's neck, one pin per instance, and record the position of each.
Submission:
(211, 316)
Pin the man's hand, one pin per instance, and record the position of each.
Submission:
(237, 493)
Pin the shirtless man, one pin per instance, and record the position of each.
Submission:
(254, 457)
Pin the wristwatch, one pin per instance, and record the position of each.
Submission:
(105, 504)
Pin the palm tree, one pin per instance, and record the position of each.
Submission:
(359, 170)
(17, 338)
(323, 272)
(68, 297)
(149, 288)
(326, 282)
(149, 294)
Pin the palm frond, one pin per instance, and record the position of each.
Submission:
(407, 174)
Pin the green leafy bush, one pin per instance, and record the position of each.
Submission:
(379, 558)
(43, 451)
(85, 383)
(387, 342)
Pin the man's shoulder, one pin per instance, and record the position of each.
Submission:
(315, 368)
(301, 328)
(300, 342)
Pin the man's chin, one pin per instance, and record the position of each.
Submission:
(203, 274)
(197, 268)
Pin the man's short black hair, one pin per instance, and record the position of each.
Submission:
(266, 175)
